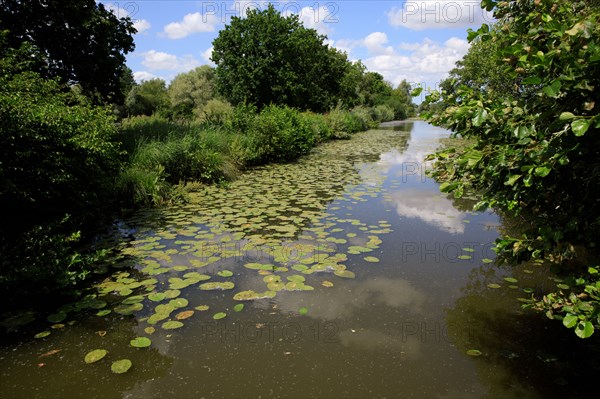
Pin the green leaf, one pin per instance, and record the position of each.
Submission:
(219, 315)
(580, 126)
(416, 92)
(303, 311)
(447, 187)
(474, 352)
(570, 321)
(584, 329)
(140, 342)
(95, 355)
(565, 116)
(542, 171)
(553, 89)
(512, 180)
(479, 117)
(121, 366)
(532, 80)
(239, 307)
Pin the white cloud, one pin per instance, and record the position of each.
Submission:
(316, 18)
(439, 14)
(375, 43)
(160, 61)
(426, 63)
(191, 23)
(207, 54)
(140, 76)
(141, 25)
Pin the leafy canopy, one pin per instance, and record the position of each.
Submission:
(267, 58)
(80, 40)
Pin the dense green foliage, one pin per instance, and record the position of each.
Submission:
(57, 166)
(267, 58)
(147, 98)
(536, 151)
(82, 42)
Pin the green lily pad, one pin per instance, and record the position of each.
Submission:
(140, 342)
(225, 285)
(121, 366)
(303, 311)
(149, 330)
(296, 278)
(103, 312)
(474, 352)
(133, 299)
(510, 279)
(42, 334)
(468, 249)
(371, 259)
(172, 325)
(225, 273)
(157, 296)
(494, 285)
(344, 273)
(95, 355)
(202, 308)
(464, 257)
(127, 310)
(487, 260)
(239, 307)
(178, 303)
(219, 315)
(170, 294)
(57, 317)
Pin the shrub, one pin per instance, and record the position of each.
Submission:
(318, 123)
(366, 116)
(383, 113)
(215, 112)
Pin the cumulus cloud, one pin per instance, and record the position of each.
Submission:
(375, 43)
(319, 19)
(439, 14)
(207, 54)
(191, 23)
(141, 25)
(426, 62)
(160, 61)
(140, 76)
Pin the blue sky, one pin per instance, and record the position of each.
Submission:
(414, 40)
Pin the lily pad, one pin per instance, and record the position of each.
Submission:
(172, 325)
(103, 312)
(486, 260)
(225, 273)
(133, 299)
(57, 317)
(464, 257)
(371, 259)
(225, 285)
(95, 355)
(303, 310)
(140, 342)
(219, 315)
(42, 334)
(344, 273)
(149, 330)
(157, 296)
(327, 284)
(186, 314)
(474, 352)
(202, 308)
(239, 307)
(494, 285)
(127, 310)
(510, 279)
(178, 303)
(121, 366)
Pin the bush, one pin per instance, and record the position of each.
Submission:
(343, 123)
(215, 112)
(278, 134)
(383, 113)
(318, 123)
(366, 115)
(57, 175)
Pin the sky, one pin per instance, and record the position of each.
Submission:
(419, 41)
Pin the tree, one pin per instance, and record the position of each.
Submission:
(80, 40)
(147, 97)
(58, 163)
(372, 87)
(536, 151)
(270, 59)
(190, 91)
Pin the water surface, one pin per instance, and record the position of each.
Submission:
(369, 282)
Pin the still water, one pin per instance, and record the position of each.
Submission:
(358, 278)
